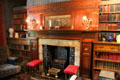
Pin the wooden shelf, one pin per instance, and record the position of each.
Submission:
(107, 51)
(20, 49)
(109, 21)
(103, 42)
(109, 12)
(107, 60)
(118, 30)
(106, 69)
(104, 49)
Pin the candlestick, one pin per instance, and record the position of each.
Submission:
(50, 23)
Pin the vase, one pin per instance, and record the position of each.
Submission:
(11, 32)
(110, 37)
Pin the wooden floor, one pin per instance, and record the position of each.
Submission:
(36, 76)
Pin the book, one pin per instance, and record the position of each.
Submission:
(100, 8)
(101, 17)
(112, 7)
(107, 74)
(117, 8)
(118, 17)
(105, 17)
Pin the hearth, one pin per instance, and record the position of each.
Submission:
(59, 53)
(57, 57)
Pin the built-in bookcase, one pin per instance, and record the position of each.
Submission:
(106, 56)
(109, 16)
(23, 48)
(19, 21)
(18, 18)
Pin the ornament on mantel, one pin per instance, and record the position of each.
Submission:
(118, 38)
(72, 27)
(86, 22)
(11, 32)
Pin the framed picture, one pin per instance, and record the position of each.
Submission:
(58, 20)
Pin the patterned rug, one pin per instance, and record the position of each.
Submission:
(23, 76)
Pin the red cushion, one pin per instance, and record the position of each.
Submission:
(34, 63)
(71, 69)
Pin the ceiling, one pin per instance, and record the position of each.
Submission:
(15, 1)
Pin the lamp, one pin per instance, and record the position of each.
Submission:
(86, 22)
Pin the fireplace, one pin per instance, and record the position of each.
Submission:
(59, 52)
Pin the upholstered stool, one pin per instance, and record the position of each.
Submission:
(71, 70)
(53, 71)
(33, 64)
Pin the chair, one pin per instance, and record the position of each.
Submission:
(7, 69)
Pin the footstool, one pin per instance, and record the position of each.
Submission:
(53, 71)
(33, 64)
(71, 69)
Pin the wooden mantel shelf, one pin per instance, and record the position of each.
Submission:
(62, 31)
(64, 34)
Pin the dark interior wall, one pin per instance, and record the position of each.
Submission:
(8, 11)
(2, 26)
(7, 15)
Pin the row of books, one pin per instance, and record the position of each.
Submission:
(109, 17)
(109, 8)
(16, 52)
(19, 16)
(107, 65)
(18, 21)
(20, 54)
(111, 56)
(21, 47)
(108, 26)
(18, 27)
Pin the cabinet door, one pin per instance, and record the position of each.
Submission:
(86, 60)
(85, 65)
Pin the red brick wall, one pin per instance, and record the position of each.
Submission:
(2, 26)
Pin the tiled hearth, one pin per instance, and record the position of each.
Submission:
(62, 43)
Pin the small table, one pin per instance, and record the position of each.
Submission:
(53, 71)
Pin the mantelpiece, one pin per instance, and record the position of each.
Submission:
(85, 37)
(64, 34)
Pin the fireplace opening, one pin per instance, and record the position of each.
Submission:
(57, 57)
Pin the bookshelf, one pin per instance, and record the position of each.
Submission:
(18, 20)
(109, 16)
(106, 56)
(23, 48)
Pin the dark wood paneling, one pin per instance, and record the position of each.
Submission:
(86, 59)
(64, 34)
(2, 26)
(77, 9)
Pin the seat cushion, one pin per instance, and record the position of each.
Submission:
(34, 63)
(71, 69)
(9, 69)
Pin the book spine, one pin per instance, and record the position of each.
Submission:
(111, 8)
